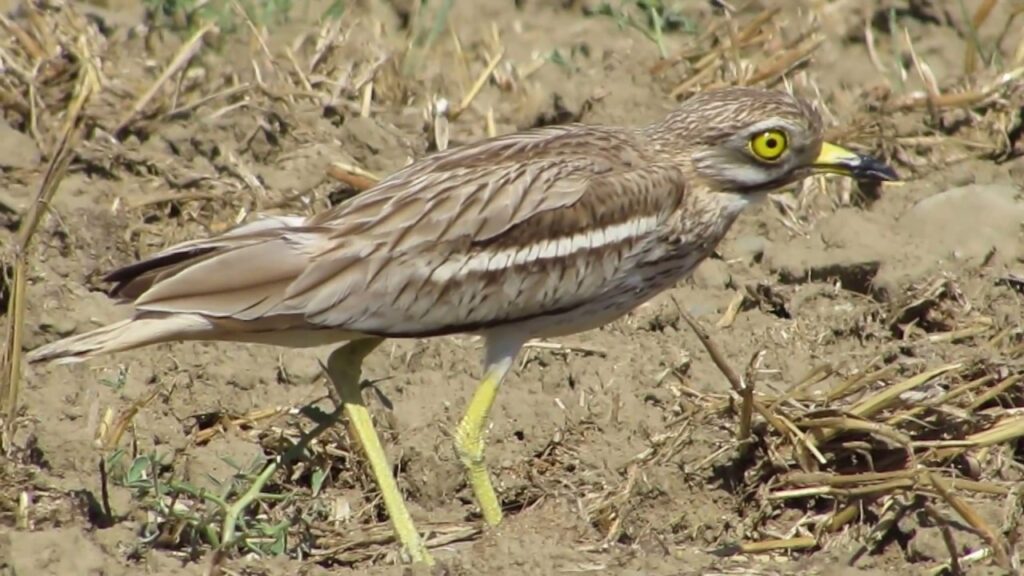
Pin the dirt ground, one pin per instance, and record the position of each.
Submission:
(613, 451)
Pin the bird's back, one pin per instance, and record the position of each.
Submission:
(510, 228)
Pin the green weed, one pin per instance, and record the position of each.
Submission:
(651, 17)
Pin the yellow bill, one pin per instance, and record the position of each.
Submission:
(838, 160)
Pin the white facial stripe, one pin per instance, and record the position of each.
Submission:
(545, 249)
(748, 174)
(773, 123)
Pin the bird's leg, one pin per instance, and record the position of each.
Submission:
(469, 435)
(344, 368)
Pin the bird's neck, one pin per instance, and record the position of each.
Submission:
(708, 216)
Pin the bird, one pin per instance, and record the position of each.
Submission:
(541, 233)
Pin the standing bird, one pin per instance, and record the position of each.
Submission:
(542, 233)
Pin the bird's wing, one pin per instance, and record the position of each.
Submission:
(240, 274)
(516, 227)
(508, 228)
(133, 280)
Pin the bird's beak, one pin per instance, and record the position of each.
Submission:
(838, 160)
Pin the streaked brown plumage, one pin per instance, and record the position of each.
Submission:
(541, 233)
(407, 258)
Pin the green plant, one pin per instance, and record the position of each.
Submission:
(651, 17)
(184, 514)
(189, 15)
(424, 32)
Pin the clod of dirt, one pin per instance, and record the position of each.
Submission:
(971, 225)
(850, 248)
(562, 113)
(17, 149)
(969, 222)
(371, 142)
(57, 324)
(213, 467)
(750, 247)
(54, 552)
(712, 274)
(10, 211)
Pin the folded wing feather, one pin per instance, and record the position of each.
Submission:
(393, 260)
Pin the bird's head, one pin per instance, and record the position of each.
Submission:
(754, 140)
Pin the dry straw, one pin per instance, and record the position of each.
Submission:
(73, 35)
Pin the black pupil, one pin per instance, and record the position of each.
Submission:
(771, 142)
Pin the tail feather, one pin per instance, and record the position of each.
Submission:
(120, 336)
(221, 288)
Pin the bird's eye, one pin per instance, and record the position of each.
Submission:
(769, 145)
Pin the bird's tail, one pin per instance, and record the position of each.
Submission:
(120, 336)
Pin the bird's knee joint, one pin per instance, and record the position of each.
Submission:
(469, 446)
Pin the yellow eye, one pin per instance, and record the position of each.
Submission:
(769, 145)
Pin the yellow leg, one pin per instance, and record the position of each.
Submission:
(344, 367)
(469, 435)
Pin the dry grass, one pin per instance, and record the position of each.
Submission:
(871, 446)
(865, 447)
(66, 47)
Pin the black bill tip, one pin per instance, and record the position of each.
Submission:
(838, 160)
